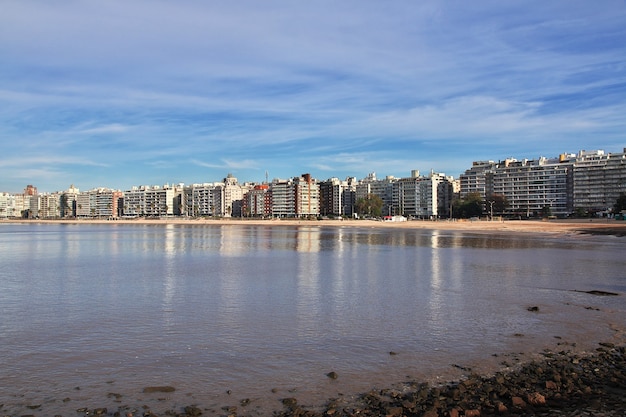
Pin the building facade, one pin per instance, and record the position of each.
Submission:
(598, 180)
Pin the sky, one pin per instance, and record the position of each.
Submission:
(119, 93)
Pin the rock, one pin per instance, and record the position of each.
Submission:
(533, 308)
(166, 388)
(551, 385)
(518, 402)
(289, 402)
(502, 409)
(332, 375)
(536, 399)
(192, 411)
(397, 412)
(472, 413)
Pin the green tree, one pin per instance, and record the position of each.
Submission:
(500, 203)
(470, 206)
(370, 205)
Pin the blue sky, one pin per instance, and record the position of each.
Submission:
(120, 93)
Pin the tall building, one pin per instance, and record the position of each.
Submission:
(295, 197)
(99, 203)
(474, 180)
(337, 197)
(307, 196)
(49, 206)
(68, 201)
(258, 202)
(533, 186)
(423, 196)
(199, 199)
(598, 180)
(382, 188)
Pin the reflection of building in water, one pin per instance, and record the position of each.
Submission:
(308, 239)
(233, 241)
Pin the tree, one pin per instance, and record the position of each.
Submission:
(370, 205)
(470, 206)
(620, 204)
(500, 203)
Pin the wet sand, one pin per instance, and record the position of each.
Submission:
(593, 226)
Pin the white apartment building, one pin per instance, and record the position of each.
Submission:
(598, 180)
(531, 186)
(283, 198)
(295, 197)
(49, 206)
(474, 179)
(384, 189)
(98, 203)
(423, 196)
(200, 199)
(6, 205)
(14, 205)
(307, 196)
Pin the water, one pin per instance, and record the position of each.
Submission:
(224, 313)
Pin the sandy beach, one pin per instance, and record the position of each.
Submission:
(595, 226)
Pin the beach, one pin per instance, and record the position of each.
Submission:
(566, 226)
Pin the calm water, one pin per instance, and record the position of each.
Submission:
(247, 309)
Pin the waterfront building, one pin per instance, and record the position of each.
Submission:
(598, 180)
(68, 201)
(135, 201)
(99, 203)
(423, 196)
(257, 202)
(199, 199)
(49, 206)
(283, 196)
(381, 188)
(532, 187)
(161, 201)
(6, 202)
(337, 197)
(307, 196)
(295, 197)
(474, 180)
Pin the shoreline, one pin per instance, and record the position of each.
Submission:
(577, 226)
(566, 382)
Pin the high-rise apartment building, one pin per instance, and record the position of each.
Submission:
(258, 202)
(200, 199)
(337, 197)
(598, 180)
(423, 196)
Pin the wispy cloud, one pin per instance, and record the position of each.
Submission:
(154, 91)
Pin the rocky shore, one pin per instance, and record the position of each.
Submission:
(560, 383)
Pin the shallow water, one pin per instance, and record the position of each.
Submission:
(265, 312)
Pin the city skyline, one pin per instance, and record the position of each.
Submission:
(146, 93)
